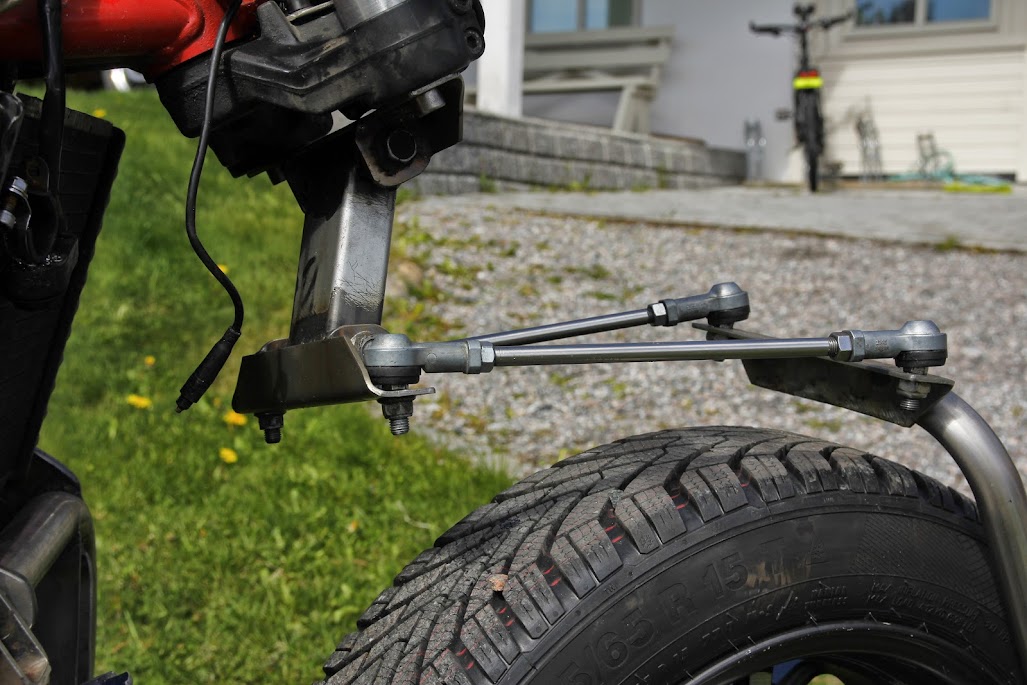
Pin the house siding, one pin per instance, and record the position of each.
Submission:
(973, 103)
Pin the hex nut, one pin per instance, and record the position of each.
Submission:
(845, 347)
(397, 410)
(912, 389)
(658, 314)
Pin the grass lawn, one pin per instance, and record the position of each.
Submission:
(222, 559)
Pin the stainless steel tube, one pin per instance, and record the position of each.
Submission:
(1001, 500)
(670, 351)
(568, 329)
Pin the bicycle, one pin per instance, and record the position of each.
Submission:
(806, 85)
(709, 555)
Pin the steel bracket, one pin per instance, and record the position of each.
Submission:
(869, 388)
(329, 371)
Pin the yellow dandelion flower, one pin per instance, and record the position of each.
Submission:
(99, 113)
(149, 360)
(234, 419)
(139, 402)
(224, 268)
(228, 455)
(353, 525)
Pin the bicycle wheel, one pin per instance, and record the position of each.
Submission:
(812, 139)
(812, 169)
(703, 555)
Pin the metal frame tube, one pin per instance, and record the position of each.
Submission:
(1001, 500)
(157, 34)
(344, 260)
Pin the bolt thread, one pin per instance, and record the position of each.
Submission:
(273, 436)
(399, 426)
(910, 404)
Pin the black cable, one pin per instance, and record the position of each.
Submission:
(212, 364)
(54, 101)
(41, 234)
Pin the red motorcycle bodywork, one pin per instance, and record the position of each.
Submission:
(150, 35)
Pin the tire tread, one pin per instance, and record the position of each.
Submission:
(500, 578)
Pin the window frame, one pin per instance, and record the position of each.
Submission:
(636, 17)
(920, 25)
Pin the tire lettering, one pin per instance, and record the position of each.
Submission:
(739, 574)
(732, 575)
(574, 675)
(611, 650)
(644, 630)
(676, 601)
(712, 581)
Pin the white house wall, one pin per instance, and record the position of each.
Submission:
(721, 74)
(718, 75)
(972, 103)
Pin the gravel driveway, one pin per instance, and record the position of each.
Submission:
(487, 268)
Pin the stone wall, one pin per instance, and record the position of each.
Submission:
(500, 153)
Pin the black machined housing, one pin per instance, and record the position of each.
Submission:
(276, 92)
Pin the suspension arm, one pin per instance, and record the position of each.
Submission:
(724, 305)
(912, 346)
(668, 351)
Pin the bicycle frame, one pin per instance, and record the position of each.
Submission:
(153, 37)
(345, 182)
(806, 84)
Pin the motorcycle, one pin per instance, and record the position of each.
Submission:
(699, 555)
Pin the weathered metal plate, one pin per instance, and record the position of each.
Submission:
(328, 371)
(867, 387)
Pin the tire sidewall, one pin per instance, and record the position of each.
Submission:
(747, 577)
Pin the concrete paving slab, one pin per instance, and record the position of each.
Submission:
(993, 221)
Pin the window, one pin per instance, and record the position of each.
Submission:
(580, 15)
(920, 12)
(877, 12)
(958, 10)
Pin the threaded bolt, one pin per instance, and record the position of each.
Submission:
(398, 413)
(909, 404)
(399, 425)
(912, 392)
(271, 424)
